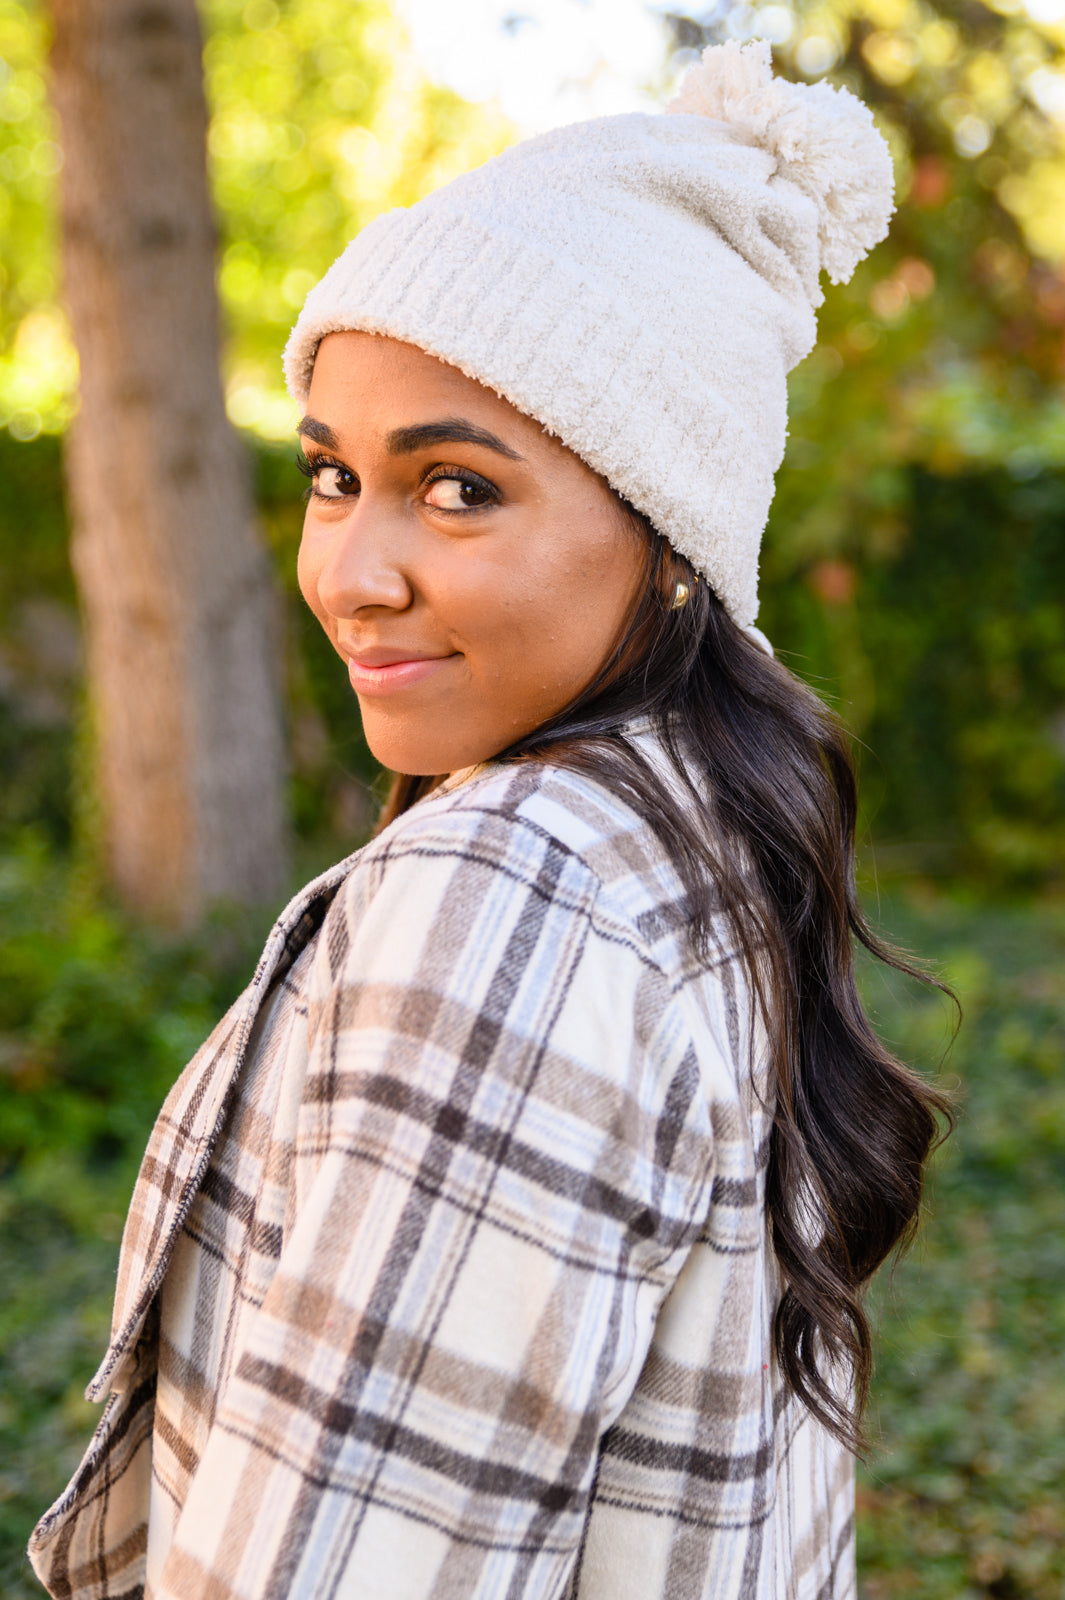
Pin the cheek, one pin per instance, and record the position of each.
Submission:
(584, 591)
(549, 623)
(507, 618)
(307, 571)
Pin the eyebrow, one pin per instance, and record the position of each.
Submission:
(449, 430)
(407, 441)
(320, 432)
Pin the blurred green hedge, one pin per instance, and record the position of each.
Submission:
(944, 649)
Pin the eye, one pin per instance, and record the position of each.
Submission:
(465, 492)
(333, 483)
(329, 480)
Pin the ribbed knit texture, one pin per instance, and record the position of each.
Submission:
(641, 285)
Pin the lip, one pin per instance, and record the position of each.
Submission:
(382, 671)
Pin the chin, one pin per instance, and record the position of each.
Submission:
(421, 753)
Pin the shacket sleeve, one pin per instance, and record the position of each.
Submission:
(503, 1159)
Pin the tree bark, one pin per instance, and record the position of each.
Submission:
(180, 619)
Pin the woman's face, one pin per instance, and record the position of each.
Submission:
(470, 570)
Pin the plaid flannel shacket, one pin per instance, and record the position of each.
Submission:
(447, 1275)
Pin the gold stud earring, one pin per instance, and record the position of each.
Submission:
(681, 596)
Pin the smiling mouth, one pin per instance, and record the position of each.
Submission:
(391, 676)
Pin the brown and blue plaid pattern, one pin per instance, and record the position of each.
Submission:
(447, 1276)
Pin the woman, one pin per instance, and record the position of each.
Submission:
(507, 1238)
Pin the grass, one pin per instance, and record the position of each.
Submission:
(59, 1235)
(964, 1494)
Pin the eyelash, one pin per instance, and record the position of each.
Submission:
(311, 464)
(468, 479)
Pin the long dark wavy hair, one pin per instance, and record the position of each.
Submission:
(761, 826)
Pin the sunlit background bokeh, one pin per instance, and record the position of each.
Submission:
(357, 141)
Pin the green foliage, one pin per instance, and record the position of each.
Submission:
(58, 1238)
(37, 693)
(943, 640)
(96, 1018)
(33, 526)
(37, 366)
(27, 157)
(962, 1497)
(946, 348)
(319, 121)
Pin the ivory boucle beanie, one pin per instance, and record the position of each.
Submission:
(641, 285)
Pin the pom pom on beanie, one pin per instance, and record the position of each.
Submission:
(824, 139)
(641, 285)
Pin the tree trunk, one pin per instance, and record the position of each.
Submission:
(179, 612)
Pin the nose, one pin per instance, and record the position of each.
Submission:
(361, 566)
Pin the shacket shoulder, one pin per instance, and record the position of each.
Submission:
(520, 820)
